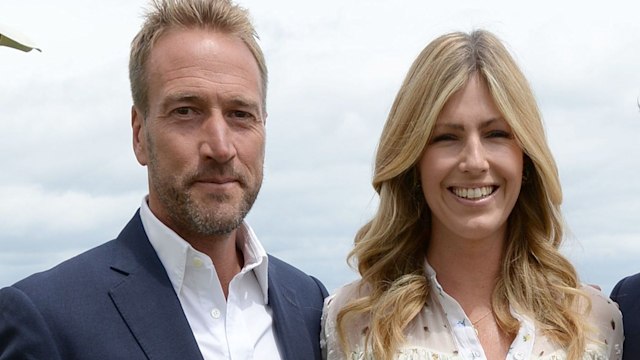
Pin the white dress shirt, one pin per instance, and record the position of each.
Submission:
(239, 327)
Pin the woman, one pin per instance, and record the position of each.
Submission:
(461, 260)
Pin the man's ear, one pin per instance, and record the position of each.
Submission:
(139, 137)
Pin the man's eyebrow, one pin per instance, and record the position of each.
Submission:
(182, 96)
(244, 102)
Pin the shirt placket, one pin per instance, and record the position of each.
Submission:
(467, 339)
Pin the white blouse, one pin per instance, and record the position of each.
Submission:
(442, 331)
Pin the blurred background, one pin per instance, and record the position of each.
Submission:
(69, 180)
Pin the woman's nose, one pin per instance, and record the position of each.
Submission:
(474, 156)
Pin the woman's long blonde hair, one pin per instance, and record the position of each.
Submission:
(390, 249)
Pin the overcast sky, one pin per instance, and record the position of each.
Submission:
(69, 179)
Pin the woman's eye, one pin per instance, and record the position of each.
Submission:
(499, 134)
(443, 137)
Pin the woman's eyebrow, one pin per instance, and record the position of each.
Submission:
(460, 127)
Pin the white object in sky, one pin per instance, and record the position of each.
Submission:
(13, 39)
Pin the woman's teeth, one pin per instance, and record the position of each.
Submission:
(473, 193)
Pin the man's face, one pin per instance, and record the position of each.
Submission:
(203, 137)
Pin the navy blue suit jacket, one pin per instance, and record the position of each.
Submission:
(116, 302)
(627, 294)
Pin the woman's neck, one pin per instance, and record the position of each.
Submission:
(467, 269)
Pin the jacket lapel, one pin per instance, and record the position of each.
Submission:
(289, 325)
(146, 299)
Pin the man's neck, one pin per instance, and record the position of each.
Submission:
(223, 251)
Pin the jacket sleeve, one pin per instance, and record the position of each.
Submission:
(323, 290)
(616, 290)
(24, 334)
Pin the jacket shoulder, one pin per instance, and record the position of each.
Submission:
(281, 272)
(92, 268)
(87, 266)
(628, 287)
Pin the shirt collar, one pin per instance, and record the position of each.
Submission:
(431, 275)
(174, 251)
(527, 325)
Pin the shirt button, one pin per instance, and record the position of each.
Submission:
(518, 356)
(215, 313)
(197, 262)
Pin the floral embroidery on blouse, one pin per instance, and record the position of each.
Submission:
(441, 331)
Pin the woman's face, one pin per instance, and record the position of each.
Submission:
(471, 169)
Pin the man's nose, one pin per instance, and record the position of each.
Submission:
(217, 139)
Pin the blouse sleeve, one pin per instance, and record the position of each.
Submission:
(329, 341)
(325, 332)
(607, 320)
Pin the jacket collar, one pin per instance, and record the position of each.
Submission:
(146, 300)
(288, 320)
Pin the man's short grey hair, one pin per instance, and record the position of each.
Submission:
(216, 15)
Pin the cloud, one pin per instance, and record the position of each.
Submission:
(47, 216)
(69, 179)
(42, 227)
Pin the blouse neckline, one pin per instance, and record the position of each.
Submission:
(463, 332)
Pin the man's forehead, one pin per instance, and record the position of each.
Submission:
(189, 59)
(167, 41)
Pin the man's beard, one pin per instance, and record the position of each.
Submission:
(218, 216)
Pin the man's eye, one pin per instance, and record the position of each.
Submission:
(239, 114)
(183, 111)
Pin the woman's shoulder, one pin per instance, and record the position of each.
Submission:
(329, 339)
(345, 294)
(606, 320)
(603, 309)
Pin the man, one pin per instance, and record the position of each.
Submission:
(186, 278)
(627, 294)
